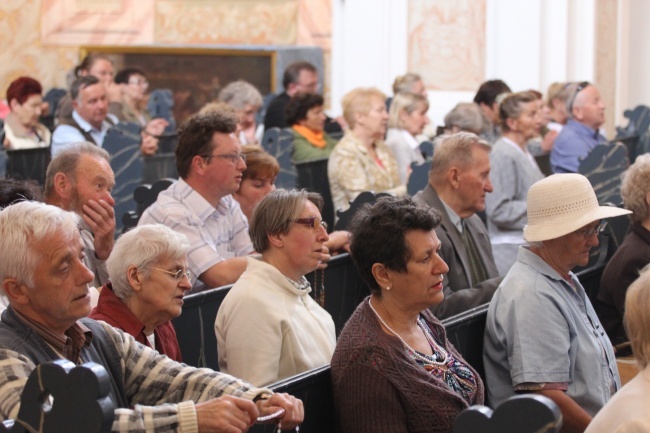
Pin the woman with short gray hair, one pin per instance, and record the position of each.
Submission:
(246, 100)
(149, 276)
(268, 327)
(632, 256)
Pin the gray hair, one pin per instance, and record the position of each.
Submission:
(405, 83)
(635, 185)
(66, 162)
(512, 106)
(143, 247)
(275, 213)
(405, 102)
(81, 83)
(23, 224)
(454, 150)
(239, 94)
(466, 116)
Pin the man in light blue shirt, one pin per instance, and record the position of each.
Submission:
(581, 133)
(90, 117)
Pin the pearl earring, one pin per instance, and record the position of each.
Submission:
(387, 287)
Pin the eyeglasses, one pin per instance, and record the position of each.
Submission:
(178, 275)
(579, 89)
(586, 233)
(139, 82)
(232, 157)
(313, 222)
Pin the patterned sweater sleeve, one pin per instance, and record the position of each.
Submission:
(163, 392)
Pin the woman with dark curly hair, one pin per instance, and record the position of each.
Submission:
(305, 114)
(393, 368)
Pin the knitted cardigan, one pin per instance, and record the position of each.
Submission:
(379, 388)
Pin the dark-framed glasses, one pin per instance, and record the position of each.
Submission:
(579, 89)
(313, 222)
(232, 157)
(178, 275)
(586, 233)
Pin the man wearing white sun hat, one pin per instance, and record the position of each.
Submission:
(542, 334)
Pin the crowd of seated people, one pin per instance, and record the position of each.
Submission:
(424, 259)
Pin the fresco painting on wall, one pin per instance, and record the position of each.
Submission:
(97, 22)
(252, 22)
(447, 43)
(194, 76)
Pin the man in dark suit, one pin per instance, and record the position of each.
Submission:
(458, 181)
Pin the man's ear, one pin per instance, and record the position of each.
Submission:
(63, 186)
(16, 292)
(453, 177)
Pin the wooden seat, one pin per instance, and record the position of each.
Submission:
(312, 175)
(419, 177)
(465, 331)
(28, 164)
(122, 142)
(345, 217)
(635, 136)
(279, 143)
(61, 397)
(527, 413)
(314, 388)
(195, 327)
(603, 167)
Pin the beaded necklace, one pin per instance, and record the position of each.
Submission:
(437, 349)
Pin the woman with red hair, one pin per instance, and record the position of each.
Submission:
(22, 127)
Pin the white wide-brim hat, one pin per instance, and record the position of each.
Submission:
(561, 204)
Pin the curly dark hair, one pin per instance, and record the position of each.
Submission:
(378, 234)
(298, 106)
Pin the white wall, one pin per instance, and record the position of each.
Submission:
(528, 43)
(635, 59)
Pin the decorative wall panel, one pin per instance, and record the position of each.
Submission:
(446, 43)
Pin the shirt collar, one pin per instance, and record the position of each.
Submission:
(584, 130)
(410, 140)
(76, 337)
(199, 205)
(453, 216)
(83, 124)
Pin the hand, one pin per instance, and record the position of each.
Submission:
(294, 413)
(548, 141)
(338, 242)
(149, 145)
(156, 127)
(100, 217)
(324, 258)
(226, 414)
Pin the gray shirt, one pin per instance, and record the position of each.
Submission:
(540, 329)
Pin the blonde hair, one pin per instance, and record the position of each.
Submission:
(405, 102)
(357, 101)
(637, 317)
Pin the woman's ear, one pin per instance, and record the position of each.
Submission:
(512, 124)
(381, 275)
(134, 277)
(276, 240)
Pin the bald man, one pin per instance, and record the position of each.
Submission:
(581, 134)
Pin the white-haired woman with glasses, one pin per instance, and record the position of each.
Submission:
(268, 327)
(149, 277)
